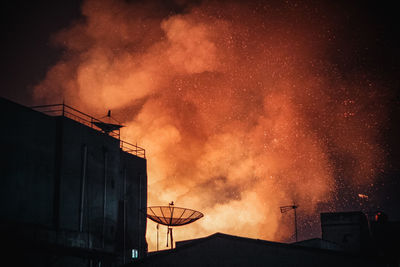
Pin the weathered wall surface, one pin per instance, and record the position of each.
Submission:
(27, 142)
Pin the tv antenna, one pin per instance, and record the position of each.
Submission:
(288, 208)
(171, 216)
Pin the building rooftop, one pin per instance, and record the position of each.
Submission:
(111, 129)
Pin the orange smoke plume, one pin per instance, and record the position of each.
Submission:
(238, 107)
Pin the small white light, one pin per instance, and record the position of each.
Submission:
(135, 253)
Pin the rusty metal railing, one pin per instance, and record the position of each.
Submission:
(83, 118)
(133, 149)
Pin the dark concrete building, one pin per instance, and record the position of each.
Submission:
(350, 230)
(347, 240)
(226, 250)
(72, 193)
(355, 232)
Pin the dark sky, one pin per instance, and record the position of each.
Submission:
(26, 51)
(370, 33)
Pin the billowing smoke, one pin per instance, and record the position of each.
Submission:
(239, 106)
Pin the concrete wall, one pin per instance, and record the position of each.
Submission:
(70, 184)
(27, 142)
(90, 161)
(135, 196)
(348, 229)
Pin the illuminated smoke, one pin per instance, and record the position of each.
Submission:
(238, 107)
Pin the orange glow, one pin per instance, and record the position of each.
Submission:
(237, 107)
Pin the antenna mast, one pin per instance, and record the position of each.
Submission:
(286, 209)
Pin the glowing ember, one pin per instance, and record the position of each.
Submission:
(238, 107)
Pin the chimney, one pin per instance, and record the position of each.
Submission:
(350, 230)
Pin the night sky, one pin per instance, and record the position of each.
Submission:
(365, 46)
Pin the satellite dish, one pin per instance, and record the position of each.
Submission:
(107, 127)
(172, 216)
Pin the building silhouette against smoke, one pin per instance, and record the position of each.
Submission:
(72, 194)
(348, 239)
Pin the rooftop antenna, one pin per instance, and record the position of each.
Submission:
(171, 216)
(286, 209)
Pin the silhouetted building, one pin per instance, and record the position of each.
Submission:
(386, 239)
(353, 232)
(72, 194)
(226, 250)
(349, 230)
(347, 240)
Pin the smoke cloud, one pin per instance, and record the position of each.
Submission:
(239, 106)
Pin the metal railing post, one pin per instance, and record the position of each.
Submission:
(90, 121)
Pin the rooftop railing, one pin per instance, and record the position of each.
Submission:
(110, 129)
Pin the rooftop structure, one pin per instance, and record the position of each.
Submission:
(226, 250)
(108, 128)
(71, 191)
(380, 249)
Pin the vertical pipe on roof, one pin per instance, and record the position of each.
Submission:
(139, 215)
(83, 185)
(104, 198)
(124, 230)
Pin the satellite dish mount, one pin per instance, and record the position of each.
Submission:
(171, 216)
(169, 231)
